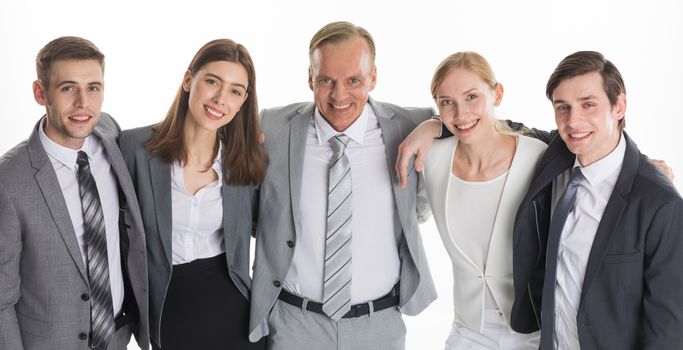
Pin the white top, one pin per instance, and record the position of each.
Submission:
(375, 226)
(197, 230)
(473, 207)
(577, 238)
(63, 160)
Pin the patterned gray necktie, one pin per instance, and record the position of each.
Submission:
(337, 283)
(101, 308)
(562, 209)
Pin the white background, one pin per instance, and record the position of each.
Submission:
(148, 45)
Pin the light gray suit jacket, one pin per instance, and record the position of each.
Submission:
(152, 179)
(42, 274)
(285, 129)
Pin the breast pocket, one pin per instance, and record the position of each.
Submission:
(623, 258)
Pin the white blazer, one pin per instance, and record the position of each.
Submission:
(469, 281)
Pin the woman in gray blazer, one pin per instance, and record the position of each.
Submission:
(195, 174)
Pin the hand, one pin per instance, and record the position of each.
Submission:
(417, 143)
(663, 167)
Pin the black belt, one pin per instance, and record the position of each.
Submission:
(357, 310)
(122, 319)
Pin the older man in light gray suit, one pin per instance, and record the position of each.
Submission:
(73, 271)
(338, 252)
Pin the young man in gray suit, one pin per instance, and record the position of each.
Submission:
(73, 271)
(338, 251)
(598, 239)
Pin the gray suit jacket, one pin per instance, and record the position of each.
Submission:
(42, 274)
(152, 179)
(285, 129)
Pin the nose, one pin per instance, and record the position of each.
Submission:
(220, 97)
(573, 117)
(338, 91)
(81, 99)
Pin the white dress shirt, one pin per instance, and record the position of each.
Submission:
(376, 231)
(577, 238)
(63, 160)
(197, 230)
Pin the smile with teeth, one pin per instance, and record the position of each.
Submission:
(213, 112)
(467, 126)
(579, 135)
(341, 106)
(79, 118)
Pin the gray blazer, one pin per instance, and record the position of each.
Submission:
(152, 179)
(42, 274)
(285, 129)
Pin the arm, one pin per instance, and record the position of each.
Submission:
(10, 279)
(662, 297)
(417, 143)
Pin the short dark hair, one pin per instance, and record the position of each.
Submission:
(584, 62)
(65, 48)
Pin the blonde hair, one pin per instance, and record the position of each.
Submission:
(474, 63)
(337, 32)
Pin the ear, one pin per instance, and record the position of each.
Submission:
(620, 106)
(499, 94)
(373, 78)
(187, 80)
(310, 77)
(39, 93)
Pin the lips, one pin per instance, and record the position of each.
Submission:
(213, 112)
(79, 119)
(577, 136)
(467, 126)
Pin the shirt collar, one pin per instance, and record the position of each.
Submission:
(355, 131)
(601, 169)
(64, 155)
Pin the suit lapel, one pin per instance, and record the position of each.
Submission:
(298, 129)
(612, 215)
(232, 218)
(160, 178)
(49, 185)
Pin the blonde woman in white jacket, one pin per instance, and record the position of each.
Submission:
(475, 182)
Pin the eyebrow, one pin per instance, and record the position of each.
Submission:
(584, 98)
(219, 78)
(464, 93)
(67, 82)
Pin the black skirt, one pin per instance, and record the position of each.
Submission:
(204, 310)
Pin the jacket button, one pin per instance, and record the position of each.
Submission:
(83, 336)
(290, 244)
(277, 284)
(85, 297)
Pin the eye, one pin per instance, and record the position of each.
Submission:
(211, 82)
(68, 88)
(589, 105)
(94, 89)
(561, 108)
(354, 82)
(445, 103)
(236, 92)
(470, 97)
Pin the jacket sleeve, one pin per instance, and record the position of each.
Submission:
(10, 256)
(663, 280)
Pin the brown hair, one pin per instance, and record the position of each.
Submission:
(584, 62)
(474, 63)
(336, 32)
(65, 48)
(243, 159)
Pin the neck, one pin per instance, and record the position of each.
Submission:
(200, 145)
(481, 155)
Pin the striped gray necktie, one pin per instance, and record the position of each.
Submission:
(337, 283)
(101, 309)
(560, 214)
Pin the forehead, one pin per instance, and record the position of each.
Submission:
(459, 80)
(343, 58)
(80, 71)
(580, 86)
(227, 71)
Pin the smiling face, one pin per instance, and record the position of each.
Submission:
(586, 120)
(217, 91)
(341, 77)
(466, 105)
(73, 99)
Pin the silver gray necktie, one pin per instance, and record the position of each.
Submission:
(101, 309)
(337, 283)
(560, 214)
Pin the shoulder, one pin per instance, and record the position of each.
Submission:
(531, 145)
(417, 113)
(651, 182)
(283, 111)
(133, 140)
(16, 159)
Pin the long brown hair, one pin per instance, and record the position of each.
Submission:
(244, 161)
